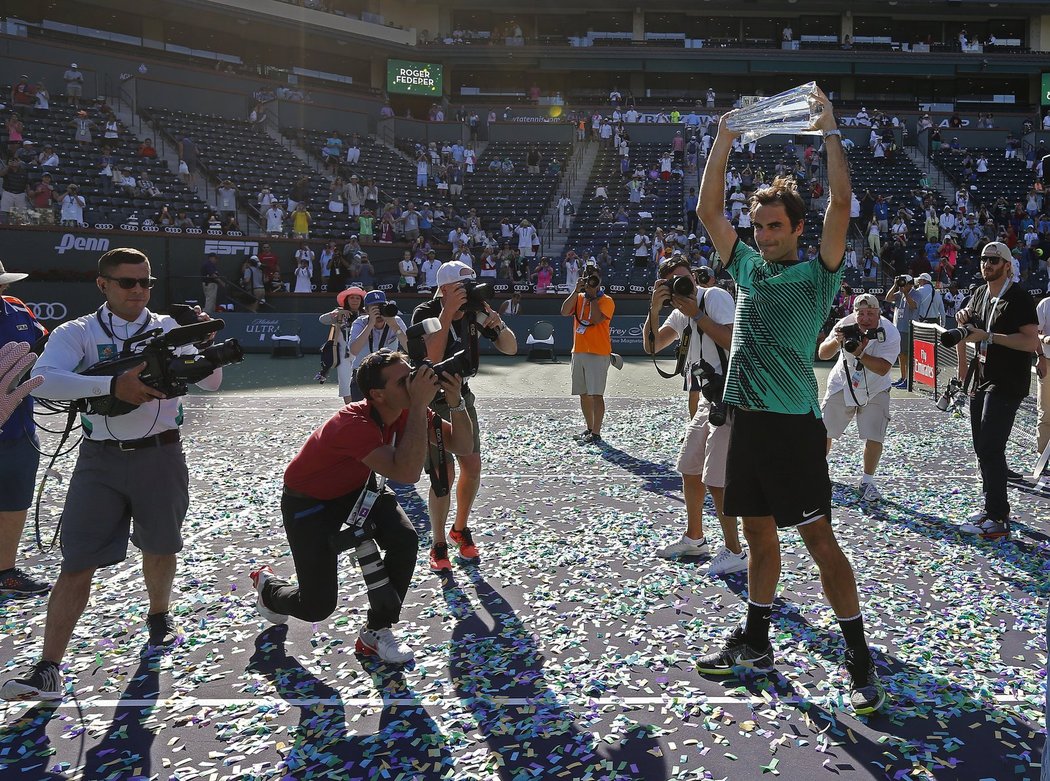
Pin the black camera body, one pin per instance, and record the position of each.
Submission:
(680, 286)
(901, 282)
(956, 335)
(852, 336)
(478, 295)
(712, 386)
(165, 371)
(703, 275)
(457, 363)
(389, 309)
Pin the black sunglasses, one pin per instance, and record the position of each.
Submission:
(127, 283)
(991, 260)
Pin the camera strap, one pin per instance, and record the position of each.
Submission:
(109, 331)
(681, 353)
(439, 465)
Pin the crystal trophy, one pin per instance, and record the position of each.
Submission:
(791, 112)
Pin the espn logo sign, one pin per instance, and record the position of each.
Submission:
(223, 247)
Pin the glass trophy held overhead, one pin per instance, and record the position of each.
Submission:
(792, 112)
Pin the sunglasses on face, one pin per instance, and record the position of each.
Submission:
(991, 260)
(127, 283)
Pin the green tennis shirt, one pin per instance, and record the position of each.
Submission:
(780, 309)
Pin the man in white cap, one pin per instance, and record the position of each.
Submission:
(859, 384)
(1001, 320)
(929, 303)
(19, 458)
(461, 323)
(74, 84)
(902, 296)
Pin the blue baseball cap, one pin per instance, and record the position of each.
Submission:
(375, 297)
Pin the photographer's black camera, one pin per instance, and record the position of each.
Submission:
(852, 336)
(457, 363)
(389, 309)
(712, 386)
(703, 275)
(478, 295)
(680, 286)
(165, 371)
(956, 335)
(902, 281)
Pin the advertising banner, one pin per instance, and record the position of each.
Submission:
(924, 362)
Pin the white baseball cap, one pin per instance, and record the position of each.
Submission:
(865, 299)
(453, 271)
(925, 277)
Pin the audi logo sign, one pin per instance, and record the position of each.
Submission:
(55, 311)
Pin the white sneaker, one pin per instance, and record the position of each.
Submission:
(383, 644)
(259, 578)
(726, 562)
(869, 493)
(685, 547)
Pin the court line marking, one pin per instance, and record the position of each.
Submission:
(377, 702)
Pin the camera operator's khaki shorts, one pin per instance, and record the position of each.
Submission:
(872, 419)
(705, 448)
(590, 373)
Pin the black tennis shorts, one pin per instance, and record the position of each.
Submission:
(777, 465)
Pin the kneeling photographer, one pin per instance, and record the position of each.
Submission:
(1000, 318)
(131, 475)
(463, 315)
(859, 384)
(702, 320)
(339, 476)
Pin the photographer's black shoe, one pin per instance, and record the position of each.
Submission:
(163, 631)
(583, 436)
(1014, 477)
(736, 654)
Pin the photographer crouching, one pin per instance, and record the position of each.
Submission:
(702, 321)
(859, 384)
(131, 473)
(1000, 318)
(339, 477)
(463, 315)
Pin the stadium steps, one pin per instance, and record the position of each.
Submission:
(290, 144)
(938, 178)
(578, 173)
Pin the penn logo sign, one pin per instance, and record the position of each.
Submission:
(81, 244)
(414, 78)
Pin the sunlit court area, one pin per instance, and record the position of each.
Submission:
(444, 390)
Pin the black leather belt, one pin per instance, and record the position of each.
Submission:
(298, 494)
(169, 437)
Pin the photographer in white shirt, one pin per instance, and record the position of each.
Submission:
(859, 384)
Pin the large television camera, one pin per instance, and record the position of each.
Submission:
(165, 370)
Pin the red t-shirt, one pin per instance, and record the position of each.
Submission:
(329, 464)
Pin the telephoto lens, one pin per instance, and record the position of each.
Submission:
(954, 336)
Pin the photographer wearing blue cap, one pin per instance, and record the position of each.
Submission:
(379, 327)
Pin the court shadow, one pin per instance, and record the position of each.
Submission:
(497, 670)
(406, 741)
(126, 746)
(656, 478)
(29, 731)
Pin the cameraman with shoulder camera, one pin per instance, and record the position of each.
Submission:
(859, 384)
(462, 321)
(905, 309)
(130, 474)
(591, 310)
(1000, 318)
(776, 470)
(339, 477)
(709, 311)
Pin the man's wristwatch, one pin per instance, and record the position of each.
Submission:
(461, 407)
(835, 132)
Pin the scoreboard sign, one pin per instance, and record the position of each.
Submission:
(414, 78)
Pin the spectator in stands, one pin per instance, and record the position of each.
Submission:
(454, 176)
(300, 221)
(22, 95)
(15, 177)
(410, 222)
(710, 98)
(386, 226)
(533, 158)
(146, 149)
(42, 195)
(275, 218)
(188, 154)
(873, 236)
(226, 195)
(271, 270)
(14, 133)
(528, 239)
(300, 193)
(74, 84)
(145, 188)
(332, 152)
(543, 275)
(183, 221)
(946, 222)
(948, 255)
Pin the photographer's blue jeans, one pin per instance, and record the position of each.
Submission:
(991, 418)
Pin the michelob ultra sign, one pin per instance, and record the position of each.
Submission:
(413, 78)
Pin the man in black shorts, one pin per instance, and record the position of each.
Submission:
(776, 470)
